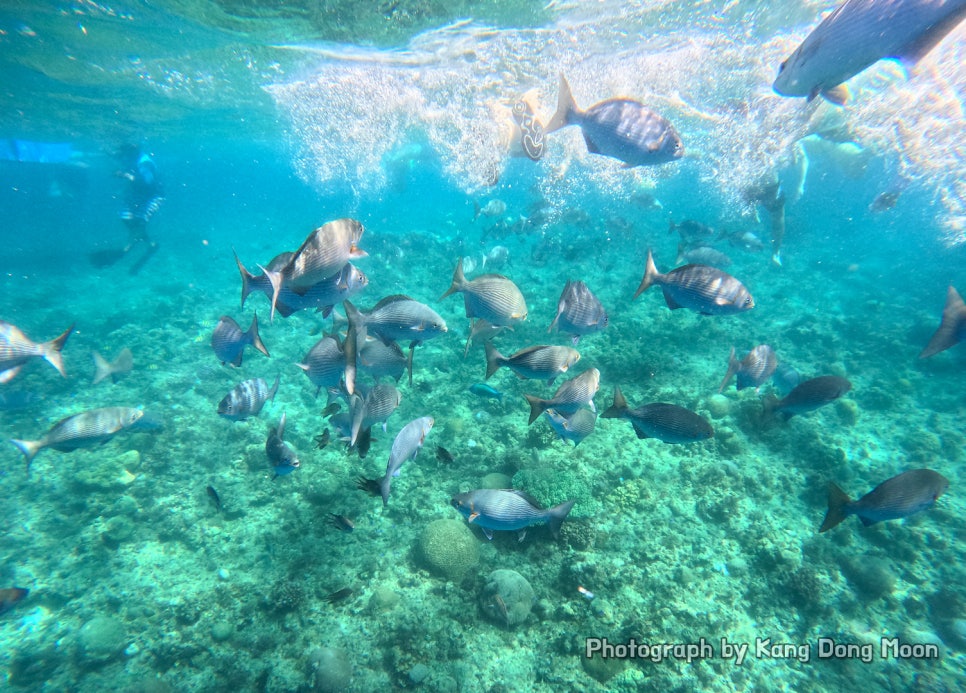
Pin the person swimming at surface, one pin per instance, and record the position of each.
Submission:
(143, 197)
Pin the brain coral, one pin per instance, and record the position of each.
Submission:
(448, 548)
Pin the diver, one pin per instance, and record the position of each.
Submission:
(143, 197)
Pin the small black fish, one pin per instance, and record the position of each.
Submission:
(331, 409)
(371, 486)
(213, 495)
(322, 441)
(342, 523)
(11, 596)
(339, 596)
(444, 455)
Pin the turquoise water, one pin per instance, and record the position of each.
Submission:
(263, 127)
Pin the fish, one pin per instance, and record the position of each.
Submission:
(324, 363)
(405, 447)
(532, 132)
(574, 427)
(901, 496)
(485, 391)
(808, 396)
(229, 342)
(481, 331)
(496, 257)
(785, 378)
(247, 399)
(884, 201)
(322, 441)
(398, 318)
(579, 312)
(746, 240)
(668, 423)
(703, 289)
(692, 232)
(508, 510)
(82, 430)
(702, 255)
(16, 349)
(280, 456)
(493, 208)
(491, 297)
(444, 455)
(952, 327)
(215, 498)
(541, 362)
(342, 523)
(339, 595)
(371, 486)
(103, 369)
(330, 409)
(569, 397)
(323, 253)
(376, 407)
(753, 370)
(10, 597)
(377, 359)
(857, 34)
(620, 128)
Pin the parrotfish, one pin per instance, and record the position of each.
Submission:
(508, 510)
(901, 496)
(952, 328)
(753, 370)
(16, 349)
(247, 399)
(405, 447)
(703, 289)
(579, 312)
(103, 369)
(541, 362)
(229, 342)
(620, 128)
(486, 391)
(668, 423)
(492, 297)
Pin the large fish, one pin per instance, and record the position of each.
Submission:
(324, 364)
(229, 342)
(753, 370)
(398, 318)
(857, 34)
(541, 362)
(952, 328)
(703, 289)
(579, 312)
(620, 128)
(377, 359)
(405, 447)
(901, 496)
(508, 510)
(247, 399)
(491, 297)
(103, 369)
(669, 423)
(16, 349)
(569, 397)
(808, 396)
(283, 459)
(83, 430)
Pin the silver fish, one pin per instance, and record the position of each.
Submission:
(283, 459)
(492, 297)
(569, 397)
(493, 208)
(808, 396)
(668, 423)
(229, 342)
(859, 33)
(247, 399)
(702, 255)
(398, 318)
(703, 289)
(86, 429)
(952, 327)
(541, 362)
(620, 128)
(481, 331)
(324, 364)
(103, 369)
(753, 370)
(496, 257)
(901, 496)
(405, 447)
(376, 407)
(579, 312)
(377, 359)
(16, 349)
(574, 427)
(508, 510)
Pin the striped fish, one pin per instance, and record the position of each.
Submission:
(376, 407)
(569, 397)
(579, 312)
(701, 288)
(901, 496)
(247, 399)
(229, 342)
(952, 328)
(16, 349)
(281, 457)
(398, 318)
(83, 430)
(574, 427)
(377, 359)
(753, 370)
(541, 362)
(808, 396)
(492, 297)
(508, 510)
(668, 423)
(405, 447)
(324, 364)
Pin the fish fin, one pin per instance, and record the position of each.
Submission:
(274, 390)
(256, 338)
(9, 374)
(733, 365)
(493, 359)
(617, 409)
(916, 50)
(488, 532)
(674, 305)
(565, 108)
(593, 148)
(409, 362)
(53, 348)
(866, 522)
(29, 448)
(952, 325)
(650, 275)
(325, 310)
(458, 280)
(102, 368)
(246, 277)
(522, 534)
(384, 488)
(276, 279)
(557, 514)
(237, 361)
(284, 309)
(838, 95)
(472, 516)
(537, 407)
(641, 434)
(356, 331)
(837, 502)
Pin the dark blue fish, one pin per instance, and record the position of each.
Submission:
(703, 289)
(229, 342)
(669, 423)
(785, 378)
(620, 128)
(508, 510)
(486, 391)
(859, 33)
(901, 496)
(808, 396)
(952, 329)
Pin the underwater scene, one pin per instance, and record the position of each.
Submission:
(495, 346)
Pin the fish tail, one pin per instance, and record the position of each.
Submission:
(29, 448)
(274, 390)
(102, 368)
(537, 407)
(275, 278)
(385, 486)
(838, 501)
(356, 331)
(53, 348)
(255, 337)
(650, 274)
(617, 409)
(952, 326)
(565, 107)
(733, 365)
(409, 362)
(246, 278)
(458, 280)
(493, 359)
(557, 514)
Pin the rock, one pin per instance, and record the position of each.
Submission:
(448, 548)
(383, 599)
(719, 406)
(496, 480)
(101, 640)
(331, 667)
(507, 597)
(418, 673)
(221, 631)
